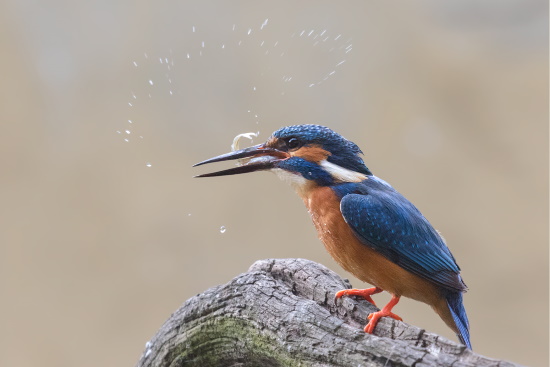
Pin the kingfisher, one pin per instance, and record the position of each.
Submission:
(369, 228)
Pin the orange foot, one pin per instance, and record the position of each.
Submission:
(386, 311)
(365, 293)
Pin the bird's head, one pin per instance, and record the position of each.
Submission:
(303, 154)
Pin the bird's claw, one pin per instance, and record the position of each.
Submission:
(375, 317)
(363, 293)
(386, 311)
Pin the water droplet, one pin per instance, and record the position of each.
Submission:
(129, 121)
(148, 164)
(189, 214)
(126, 140)
(130, 104)
(160, 59)
(135, 64)
(127, 131)
(202, 44)
(249, 30)
(118, 132)
(193, 29)
(145, 54)
(150, 82)
(222, 229)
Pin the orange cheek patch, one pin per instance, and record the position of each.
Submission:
(312, 153)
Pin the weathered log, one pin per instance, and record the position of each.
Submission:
(283, 313)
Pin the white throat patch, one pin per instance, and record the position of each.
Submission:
(296, 180)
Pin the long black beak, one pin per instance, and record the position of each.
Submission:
(261, 158)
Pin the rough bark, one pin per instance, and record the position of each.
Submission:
(283, 313)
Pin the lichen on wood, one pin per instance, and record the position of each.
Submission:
(282, 312)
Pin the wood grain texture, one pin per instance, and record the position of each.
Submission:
(282, 313)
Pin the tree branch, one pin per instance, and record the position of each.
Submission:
(283, 313)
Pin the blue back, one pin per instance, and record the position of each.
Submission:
(386, 221)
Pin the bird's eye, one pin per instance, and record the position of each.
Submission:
(293, 143)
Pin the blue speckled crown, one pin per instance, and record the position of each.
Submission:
(343, 152)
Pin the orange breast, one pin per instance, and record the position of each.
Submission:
(362, 261)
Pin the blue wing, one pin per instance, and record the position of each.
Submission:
(386, 221)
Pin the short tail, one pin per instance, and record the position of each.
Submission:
(454, 301)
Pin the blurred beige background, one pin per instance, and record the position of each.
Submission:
(448, 100)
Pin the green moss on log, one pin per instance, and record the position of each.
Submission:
(227, 341)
